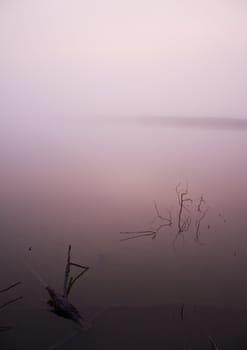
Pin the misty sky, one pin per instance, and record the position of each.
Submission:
(99, 58)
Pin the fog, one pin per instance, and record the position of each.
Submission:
(105, 108)
(79, 59)
(84, 183)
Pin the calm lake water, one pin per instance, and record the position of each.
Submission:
(83, 183)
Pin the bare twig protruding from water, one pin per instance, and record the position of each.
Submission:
(202, 215)
(69, 281)
(184, 220)
(60, 303)
(2, 306)
(152, 233)
(10, 302)
(167, 220)
(200, 204)
(10, 287)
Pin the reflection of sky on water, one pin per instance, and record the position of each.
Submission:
(86, 183)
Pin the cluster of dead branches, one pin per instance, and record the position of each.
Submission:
(187, 210)
(185, 214)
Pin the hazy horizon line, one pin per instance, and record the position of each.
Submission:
(220, 123)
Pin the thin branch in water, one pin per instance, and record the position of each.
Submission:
(184, 221)
(69, 281)
(138, 234)
(76, 278)
(2, 306)
(10, 287)
(168, 220)
(67, 273)
(183, 224)
(200, 204)
(198, 225)
(10, 302)
(152, 233)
